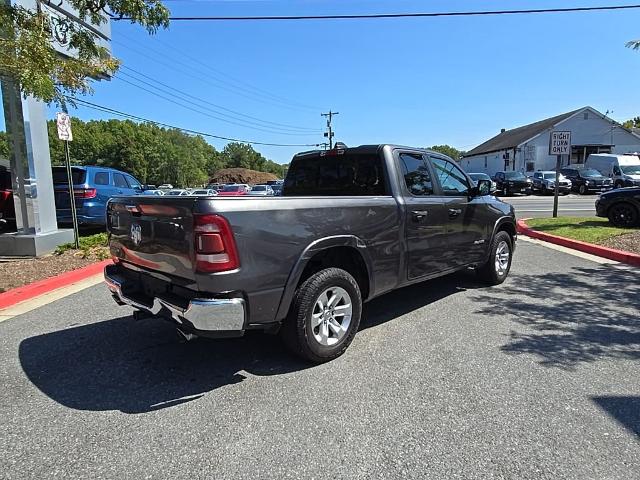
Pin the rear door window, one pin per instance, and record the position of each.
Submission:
(345, 174)
(416, 174)
(101, 178)
(78, 175)
(119, 180)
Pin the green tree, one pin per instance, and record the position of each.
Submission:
(4, 145)
(28, 56)
(635, 44)
(448, 151)
(633, 123)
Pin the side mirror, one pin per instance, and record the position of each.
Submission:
(482, 188)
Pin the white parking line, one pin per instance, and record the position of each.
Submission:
(52, 296)
(570, 251)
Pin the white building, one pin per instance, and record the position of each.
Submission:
(526, 149)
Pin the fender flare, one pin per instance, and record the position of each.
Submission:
(501, 221)
(308, 253)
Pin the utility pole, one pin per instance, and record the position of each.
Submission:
(329, 133)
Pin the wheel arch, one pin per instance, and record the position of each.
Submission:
(343, 251)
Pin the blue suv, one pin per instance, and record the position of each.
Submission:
(92, 187)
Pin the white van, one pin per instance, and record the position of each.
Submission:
(624, 170)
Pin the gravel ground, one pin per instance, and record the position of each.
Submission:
(16, 273)
(629, 242)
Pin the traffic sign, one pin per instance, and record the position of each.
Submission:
(560, 143)
(63, 122)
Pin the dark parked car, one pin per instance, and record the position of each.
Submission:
(352, 224)
(620, 206)
(512, 182)
(7, 211)
(93, 187)
(483, 176)
(587, 180)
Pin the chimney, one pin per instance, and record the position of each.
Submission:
(503, 130)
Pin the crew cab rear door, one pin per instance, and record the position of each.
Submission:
(425, 221)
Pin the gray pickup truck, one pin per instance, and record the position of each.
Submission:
(352, 224)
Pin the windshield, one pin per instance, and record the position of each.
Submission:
(515, 176)
(259, 188)
(630, 169)
(479, 176)
(200, 192)
(549, 176)
(231, 188)
(590, 172)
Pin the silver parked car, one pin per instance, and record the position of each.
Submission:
(545, 182)
(204, 192)
(261, 191)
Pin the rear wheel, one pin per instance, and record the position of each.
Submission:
(497, 268)
(324, 316)
(624, 215)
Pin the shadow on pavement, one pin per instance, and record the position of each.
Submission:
(625, 410)
(142, 366)
(578, 316)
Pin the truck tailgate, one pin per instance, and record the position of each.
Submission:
(153, 233)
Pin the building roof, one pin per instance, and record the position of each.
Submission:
(513, 138)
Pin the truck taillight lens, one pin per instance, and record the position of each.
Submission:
(214, 244)
(85, 192)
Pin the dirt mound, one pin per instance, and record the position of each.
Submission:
(241, 175)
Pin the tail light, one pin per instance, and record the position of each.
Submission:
(214, 244)
(85, 192)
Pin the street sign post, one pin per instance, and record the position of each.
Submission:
(559, 145)
(63, 122)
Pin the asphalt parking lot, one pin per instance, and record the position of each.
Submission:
(534, 206)
(537, 378)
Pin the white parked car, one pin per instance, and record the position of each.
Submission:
(204, 192)
(153, 192)
(165, 186)
(261, 191)
(177, 192)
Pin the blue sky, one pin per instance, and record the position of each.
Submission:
(417, 81)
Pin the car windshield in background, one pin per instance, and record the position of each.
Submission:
(479, 176)
(630, 169)
(79, 175)
(346, 174)
(590, 172)
(200, 192)
(515, 176)
(549, 176)
(259, 188)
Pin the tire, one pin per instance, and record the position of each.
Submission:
(582, 190)
(623, 215)
(319, 335)
(497, 268)
(544, 190)
(618, 184)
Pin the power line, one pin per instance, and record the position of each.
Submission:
(234, 114)
(197, 109)
(186, 130)
(207, 77)
(400, 15)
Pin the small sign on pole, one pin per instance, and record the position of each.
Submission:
(559, 145)
(63, 122)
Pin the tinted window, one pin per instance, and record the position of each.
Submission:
(101, 178)
(452, 180)
(259, 188)
(344, 174)
(549, 176)
(79, 175)
(590, 172)
(5, 179)
(133, 183)
(120, 181)
(416, 174)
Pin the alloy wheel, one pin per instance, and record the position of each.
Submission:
(503, 254)
(331, 316)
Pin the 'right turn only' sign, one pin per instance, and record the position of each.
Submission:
(560, 143)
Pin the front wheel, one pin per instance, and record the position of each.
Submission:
(583, 189)
(624, 215)
(495, 271)
(619, 184)
(324, 316)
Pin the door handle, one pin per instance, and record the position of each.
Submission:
(454, 212)
(418, 215)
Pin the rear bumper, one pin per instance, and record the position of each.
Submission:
(214, 317)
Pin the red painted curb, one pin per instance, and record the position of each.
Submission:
(610, 253)
(27, 292)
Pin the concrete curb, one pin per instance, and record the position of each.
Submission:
(610, 253)
(28, 292)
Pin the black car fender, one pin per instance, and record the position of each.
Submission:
(309, 252)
